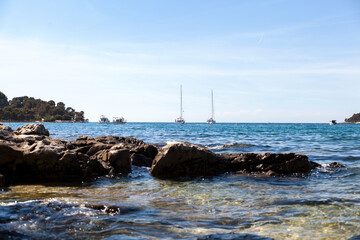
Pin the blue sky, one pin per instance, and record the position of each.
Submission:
(267, 61)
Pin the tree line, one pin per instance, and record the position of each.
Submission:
(354, 118)
(29, 109)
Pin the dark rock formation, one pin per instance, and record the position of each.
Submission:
(143, 155)
(183, 160)
(269, 163)
(186, 160)
(335, 165)
(111, 209)
(29, 155)
(233, 236)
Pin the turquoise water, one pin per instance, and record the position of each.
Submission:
(323, 204)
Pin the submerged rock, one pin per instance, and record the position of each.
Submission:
(270, 163)
(111, 209)
(234, 236)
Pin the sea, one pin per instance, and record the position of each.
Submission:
(323, 204)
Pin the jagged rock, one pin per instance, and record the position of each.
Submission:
(117, 160)
(185, 160)
(268, 162)
(143, 155)
(32, 129)
(97, 147)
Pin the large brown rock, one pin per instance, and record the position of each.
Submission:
(118, 161)
(143, 155)
(185, 160)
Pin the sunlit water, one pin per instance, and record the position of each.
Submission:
(324, 204)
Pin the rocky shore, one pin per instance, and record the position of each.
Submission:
(29, 155)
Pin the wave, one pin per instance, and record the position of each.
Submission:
(235, 145)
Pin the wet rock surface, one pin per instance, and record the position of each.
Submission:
(187, 160)
(29, 155)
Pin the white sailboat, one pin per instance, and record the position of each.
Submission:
(180, 119)
(212, 119)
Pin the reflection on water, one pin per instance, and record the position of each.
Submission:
(324, 204)
(286, 208)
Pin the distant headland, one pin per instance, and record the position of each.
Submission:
(355, 118)
(29, 109)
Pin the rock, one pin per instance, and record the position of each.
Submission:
(112, 209)
(143, 155)
(115, 140)
(97, 147)
(185, 160)
(5, 132)
(2, 181)
(117, 160)
(141, 160)
(335, 165)
(32, 129)
(269, 163)
(233, 236)
(148, 150)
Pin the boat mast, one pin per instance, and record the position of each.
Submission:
(181, 111)
(212, 105)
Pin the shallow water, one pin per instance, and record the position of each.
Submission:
(323, 204)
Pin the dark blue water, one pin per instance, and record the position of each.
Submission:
(324, 204)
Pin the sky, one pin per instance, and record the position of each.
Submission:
(266, 61)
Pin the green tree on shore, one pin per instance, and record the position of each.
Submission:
(3, 100)
(354, 118)
(30, 109)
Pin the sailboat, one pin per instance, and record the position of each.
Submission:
(212, 119)
(180, 119)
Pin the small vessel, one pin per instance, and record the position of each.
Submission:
(333, 122)
(180, 119)
(119, 120)
(104, 119)
(212, 119)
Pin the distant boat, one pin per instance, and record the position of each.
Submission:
(180, 119)
(119, 120)
(212, 119)
(104, 119)
(333, 122)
